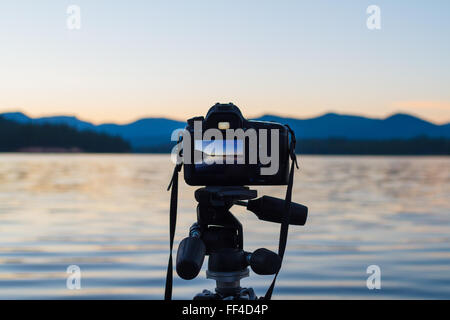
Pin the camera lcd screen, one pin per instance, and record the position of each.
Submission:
(218, 152)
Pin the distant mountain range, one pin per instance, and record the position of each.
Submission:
(150, 132)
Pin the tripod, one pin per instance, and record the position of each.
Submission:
(218, 234)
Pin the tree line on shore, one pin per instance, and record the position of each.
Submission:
(15, 136)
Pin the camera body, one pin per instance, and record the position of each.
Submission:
(228, 150)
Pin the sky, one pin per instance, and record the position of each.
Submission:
(151, 58)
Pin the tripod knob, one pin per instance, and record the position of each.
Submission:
(190, 256)
(264, 261)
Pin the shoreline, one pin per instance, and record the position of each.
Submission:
(165, 153)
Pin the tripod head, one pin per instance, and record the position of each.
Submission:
(219, 234)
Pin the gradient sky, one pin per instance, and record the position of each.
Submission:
(176, 58)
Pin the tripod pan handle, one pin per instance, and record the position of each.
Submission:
(272, 209)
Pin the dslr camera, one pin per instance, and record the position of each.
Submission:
(226, 153)
(225, 149)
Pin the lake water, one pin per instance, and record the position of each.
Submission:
(108, 214)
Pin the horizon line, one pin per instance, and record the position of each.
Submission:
(446, 122)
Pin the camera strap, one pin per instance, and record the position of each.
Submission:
(287, 212)
(173, 222)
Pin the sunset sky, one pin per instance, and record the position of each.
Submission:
(133, 59)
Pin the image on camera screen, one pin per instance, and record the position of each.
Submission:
(218, 152)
